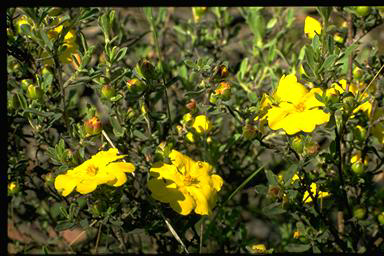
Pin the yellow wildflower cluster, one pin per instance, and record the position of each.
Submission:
(336, 88)
(297, 109)
(200, 125)
(312, 27)
(102, 168)
(185, 184)
(306, 197)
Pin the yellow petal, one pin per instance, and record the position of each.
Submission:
(65, 184)
(181, 161)
(167, 172)
(202, 124)
(310, 100)
(200, 169)
(86, 186)
(290, 90)
(164, 191)
(311, 27)
(217, 182)
(202, 205)
(102, 158)
(183, 206)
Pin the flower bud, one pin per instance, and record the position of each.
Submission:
(34, 92)
(362, 11)
(191, 105)
(349, 102)
(357, 73)
(25, 83)
(135, 85)
(360, 133)
(258, 248)
(46, 70)
(357, 167)
(249, 132)
(143, 108)
(274, 192)
(298, 145)
(147, 69)
(311, 148)
(187, 119)
(131, 113)
(223, 71)
(198, 12)
(93, 126)
(24, 26)
(338, 38)
(213, 98)
(223, 90)
(380, 218)
(108, 91)
(296, 234)
(359, 213)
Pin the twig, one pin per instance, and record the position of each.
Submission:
(98, 238)
(112, 145)
(78, 236)
(350, 58)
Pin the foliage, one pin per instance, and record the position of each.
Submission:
(281, 110)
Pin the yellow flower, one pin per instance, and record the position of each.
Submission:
(12, 186)
(296, 234)
(190, 137)
(202, 124)
(69, 42)
(307, 198)
(357, 158)
(311, 27)
(298, 108)
(258, 248)
(100, 169)
(365, 107)
(185, 184)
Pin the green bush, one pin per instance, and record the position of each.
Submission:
(215, 130)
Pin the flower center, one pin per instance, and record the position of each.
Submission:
(188, 180)
(300, 107)
(92, 170)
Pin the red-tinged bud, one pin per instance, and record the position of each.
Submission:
(93, 126)
(191, 105)
(108, 91)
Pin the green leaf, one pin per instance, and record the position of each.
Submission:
(298, 247)
(46, 40)
(64, 225)
(330, 44)
(271, 23)
(273, 209)
(116, 98)
(328, 63)
(287, 175)
(253, 97)
(315, 42)
(243, 68)
(139, 135)
(118, 131)
(350, 49)
(245, 182)
(271, 177)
